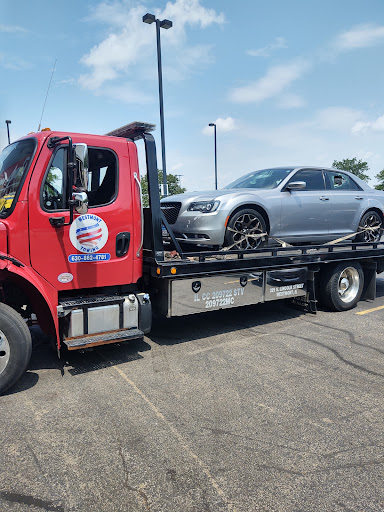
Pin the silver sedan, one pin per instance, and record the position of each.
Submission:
(294, 204)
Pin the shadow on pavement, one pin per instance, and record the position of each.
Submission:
(177, 330)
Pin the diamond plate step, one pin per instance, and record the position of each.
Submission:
(102, 339)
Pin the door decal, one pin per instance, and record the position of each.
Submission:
(88, 233)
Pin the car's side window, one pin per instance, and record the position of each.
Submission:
(340, 181)
(102, 182)
(313, 178)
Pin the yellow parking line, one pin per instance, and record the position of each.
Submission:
(369, 310)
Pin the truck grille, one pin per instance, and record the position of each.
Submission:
(171, 211)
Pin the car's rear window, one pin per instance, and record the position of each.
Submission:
(265, 178)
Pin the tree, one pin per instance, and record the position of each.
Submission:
(357, 167)
(380, 178)
(172, 181)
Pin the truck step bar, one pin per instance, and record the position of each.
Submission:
(103, 339)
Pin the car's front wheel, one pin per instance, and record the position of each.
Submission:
(246, 230)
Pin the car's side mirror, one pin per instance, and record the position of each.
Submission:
(295, 185)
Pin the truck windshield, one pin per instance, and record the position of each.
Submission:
(14, 163)
(265, 178)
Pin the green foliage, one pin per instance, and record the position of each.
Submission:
(380, 179)
(357, 167)
(172, 181)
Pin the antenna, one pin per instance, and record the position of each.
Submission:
(46, 96)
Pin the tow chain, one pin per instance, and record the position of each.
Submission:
(246, 236)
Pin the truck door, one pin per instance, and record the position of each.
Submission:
(99, 248)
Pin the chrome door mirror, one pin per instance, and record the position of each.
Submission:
(81, 151)
(296, 185)
(80, 202)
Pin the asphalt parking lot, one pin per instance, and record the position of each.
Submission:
(260, 408)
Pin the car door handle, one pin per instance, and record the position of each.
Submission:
(324, 198)
(359, 197)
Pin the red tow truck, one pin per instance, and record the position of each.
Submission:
(81, 256)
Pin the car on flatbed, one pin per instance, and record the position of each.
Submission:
(294, 204)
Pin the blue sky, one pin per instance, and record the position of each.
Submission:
(287, 83)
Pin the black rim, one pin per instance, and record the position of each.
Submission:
(247, 232)
(372, 227)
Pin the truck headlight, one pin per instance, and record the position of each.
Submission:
(204, 206)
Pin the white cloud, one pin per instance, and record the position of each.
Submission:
(360, 36)
(336, 119)
(131, 42)
(273, 83)
(14, 63)
(363, 126)
(125, 92)
(266, 51)
(223, 125)
(291, 101)
(12, 29)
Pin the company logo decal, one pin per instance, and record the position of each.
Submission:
(88, 233)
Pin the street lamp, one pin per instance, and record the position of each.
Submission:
(214, 126)
(8, 122)
(150, 18)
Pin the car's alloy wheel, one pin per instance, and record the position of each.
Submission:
(246, 230)
(370, 227)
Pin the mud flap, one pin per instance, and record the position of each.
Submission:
(369, 289)
(307, 303)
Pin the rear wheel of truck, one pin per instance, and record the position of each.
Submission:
(15, 347)
(246, 230)
(341, 286)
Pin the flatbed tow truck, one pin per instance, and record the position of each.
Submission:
(80, 255)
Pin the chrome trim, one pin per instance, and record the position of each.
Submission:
(142, 213)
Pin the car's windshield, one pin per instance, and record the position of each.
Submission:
(14, 162)
(265, 178)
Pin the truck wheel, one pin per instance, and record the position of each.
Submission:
(242, 230)
(341, 286)
(370, 221)
(15, 346)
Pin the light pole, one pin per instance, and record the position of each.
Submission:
(214, 126)
(151, 18)
(8, 122)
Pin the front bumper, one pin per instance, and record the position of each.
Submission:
(200, 228)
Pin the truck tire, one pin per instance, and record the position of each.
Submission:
(240, 228)
(15, 347)
(341, 286)
(370, 219)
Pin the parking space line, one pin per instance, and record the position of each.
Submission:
(175, 432)
(369, 310)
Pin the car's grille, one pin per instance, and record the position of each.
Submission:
(171, 211)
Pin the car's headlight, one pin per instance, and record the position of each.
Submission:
(204, 206)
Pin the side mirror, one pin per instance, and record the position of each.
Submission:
(296, 185)
(81, 152)
(80, 200)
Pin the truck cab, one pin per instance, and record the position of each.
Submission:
(59, 254)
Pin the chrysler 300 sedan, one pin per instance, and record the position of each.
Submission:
(294, 204)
